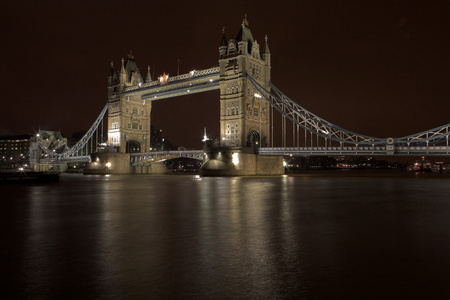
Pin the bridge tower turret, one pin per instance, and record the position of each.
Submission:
(128, 115)
(244, 115)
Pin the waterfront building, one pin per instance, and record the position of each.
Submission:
(14, 147)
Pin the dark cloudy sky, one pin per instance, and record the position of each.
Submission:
(380, 68)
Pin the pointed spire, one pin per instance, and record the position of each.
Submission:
(111, 71)
(224, 39)
(130, 55)
(149, 77)
(122, 70)
(245, 21)
(266, 46)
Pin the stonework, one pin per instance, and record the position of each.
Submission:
(244, 116)
(128, 114)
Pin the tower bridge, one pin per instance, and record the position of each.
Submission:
(248, 102)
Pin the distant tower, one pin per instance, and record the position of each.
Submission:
(128, 115)
(244, 116)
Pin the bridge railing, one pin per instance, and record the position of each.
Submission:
(364, 150)
(329, 132)
(147, 157)
(183, 77)
(81, 143)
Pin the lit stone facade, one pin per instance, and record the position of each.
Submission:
(244, 116)
(128, 114)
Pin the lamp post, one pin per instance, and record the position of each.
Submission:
(260, 116)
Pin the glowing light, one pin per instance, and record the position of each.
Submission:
(284, 163)
(205, 138)
(235, 159)
(108, 164)
(257, 95)
(163, 78)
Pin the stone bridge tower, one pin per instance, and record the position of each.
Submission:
(128, 115)
(244, 115)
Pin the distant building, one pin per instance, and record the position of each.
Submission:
(14, 147)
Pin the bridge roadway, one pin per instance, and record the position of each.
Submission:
(69, 159)
(144, 159)
(377, 150)
(185, 84)
(140, 159)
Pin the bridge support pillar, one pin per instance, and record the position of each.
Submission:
(234, 161)
(153, 168)
(109, 163)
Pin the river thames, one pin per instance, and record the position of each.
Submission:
(313, 236)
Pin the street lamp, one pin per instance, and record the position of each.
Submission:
(260, 116)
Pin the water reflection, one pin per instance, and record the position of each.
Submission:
(243, 237)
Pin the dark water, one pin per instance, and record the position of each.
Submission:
(165, 237)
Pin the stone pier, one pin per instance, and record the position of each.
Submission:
(230, 161)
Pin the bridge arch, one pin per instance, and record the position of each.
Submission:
(253, 139)
(133, 146)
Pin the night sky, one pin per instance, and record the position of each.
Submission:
(379, 68)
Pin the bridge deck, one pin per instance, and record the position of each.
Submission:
(419, 150)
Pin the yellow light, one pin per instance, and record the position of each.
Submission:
(108, 164)
(235, 159)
